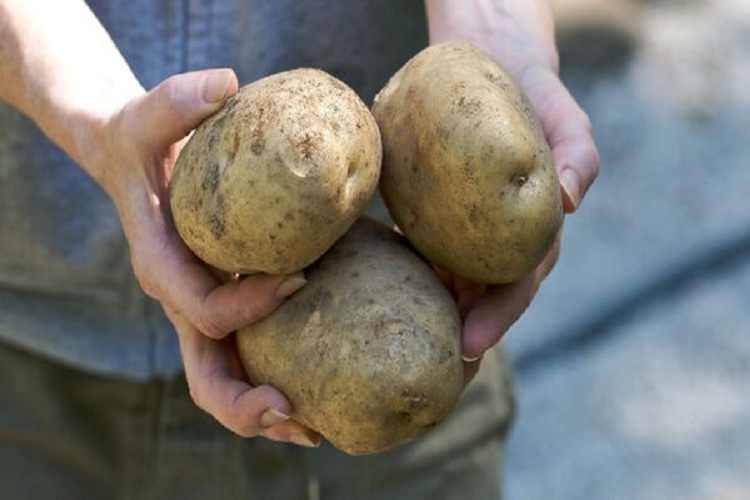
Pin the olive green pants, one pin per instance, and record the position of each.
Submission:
(69, 434)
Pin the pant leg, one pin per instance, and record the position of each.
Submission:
(461, 458)
(55, 440)
(68, 434)
(194, 457)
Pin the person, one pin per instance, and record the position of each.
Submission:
(115, 337)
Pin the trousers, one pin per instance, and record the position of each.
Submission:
(70, 434)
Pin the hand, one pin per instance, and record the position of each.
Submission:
(142, 141)
(488, 311)
(519, 34)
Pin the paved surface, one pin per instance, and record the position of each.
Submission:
(633, 363)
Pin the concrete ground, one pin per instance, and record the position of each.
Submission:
(633, 363)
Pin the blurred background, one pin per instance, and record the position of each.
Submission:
(633, 362)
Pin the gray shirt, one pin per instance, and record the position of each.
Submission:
(67, 290)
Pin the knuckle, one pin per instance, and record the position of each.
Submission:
(585, 119)
(238, 421)
(243, 429)
(252, 303)
(141, 269)
(197, 396)
(242, 310)
(208, 327)
(169, 91)
(595, 162)
(250, 310)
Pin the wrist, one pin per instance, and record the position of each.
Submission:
(86, 120)
(69, 86)
(518, 33)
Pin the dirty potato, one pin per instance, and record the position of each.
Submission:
(467, 173)
(275, 177)
(369, 351)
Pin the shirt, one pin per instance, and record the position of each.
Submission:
(67, 290)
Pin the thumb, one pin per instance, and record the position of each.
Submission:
(180, 103)
(568, 131)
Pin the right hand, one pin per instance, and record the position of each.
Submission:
(142, 141)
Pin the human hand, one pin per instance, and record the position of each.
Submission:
(140, 146)
(519, 34)
(488, 311)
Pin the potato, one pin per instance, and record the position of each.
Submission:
(467, 173)
(369, 351)
(275, 177)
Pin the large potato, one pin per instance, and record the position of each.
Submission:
(281, 172)
(467, 172)
(369, 351)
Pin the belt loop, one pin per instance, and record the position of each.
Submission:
(313, 487)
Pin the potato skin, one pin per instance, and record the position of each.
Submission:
(369, 350)
(467, 173)
(269, 182)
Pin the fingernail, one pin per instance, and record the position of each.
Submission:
(302, 439)
(272, 417)
(290, 285)
(216, 85)
(570, 185)
(467, 359)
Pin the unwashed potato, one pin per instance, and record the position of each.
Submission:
(467, 173)
(368, 351)
(281, 172)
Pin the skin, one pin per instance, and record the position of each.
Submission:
(82, 95)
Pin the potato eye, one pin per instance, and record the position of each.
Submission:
(520, 180)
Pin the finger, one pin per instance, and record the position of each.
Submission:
(217, 389)
(568, 131)
(502, 305)
(225, 308)
(218, 309)
(471, 369)
(172, 274)
(245, 410)
(464, 292)
(467, 294)
(291, 431)
(577, 161)
(493, 314)
(180, 103)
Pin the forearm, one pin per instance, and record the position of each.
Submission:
(525, 27)
(62, 70)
